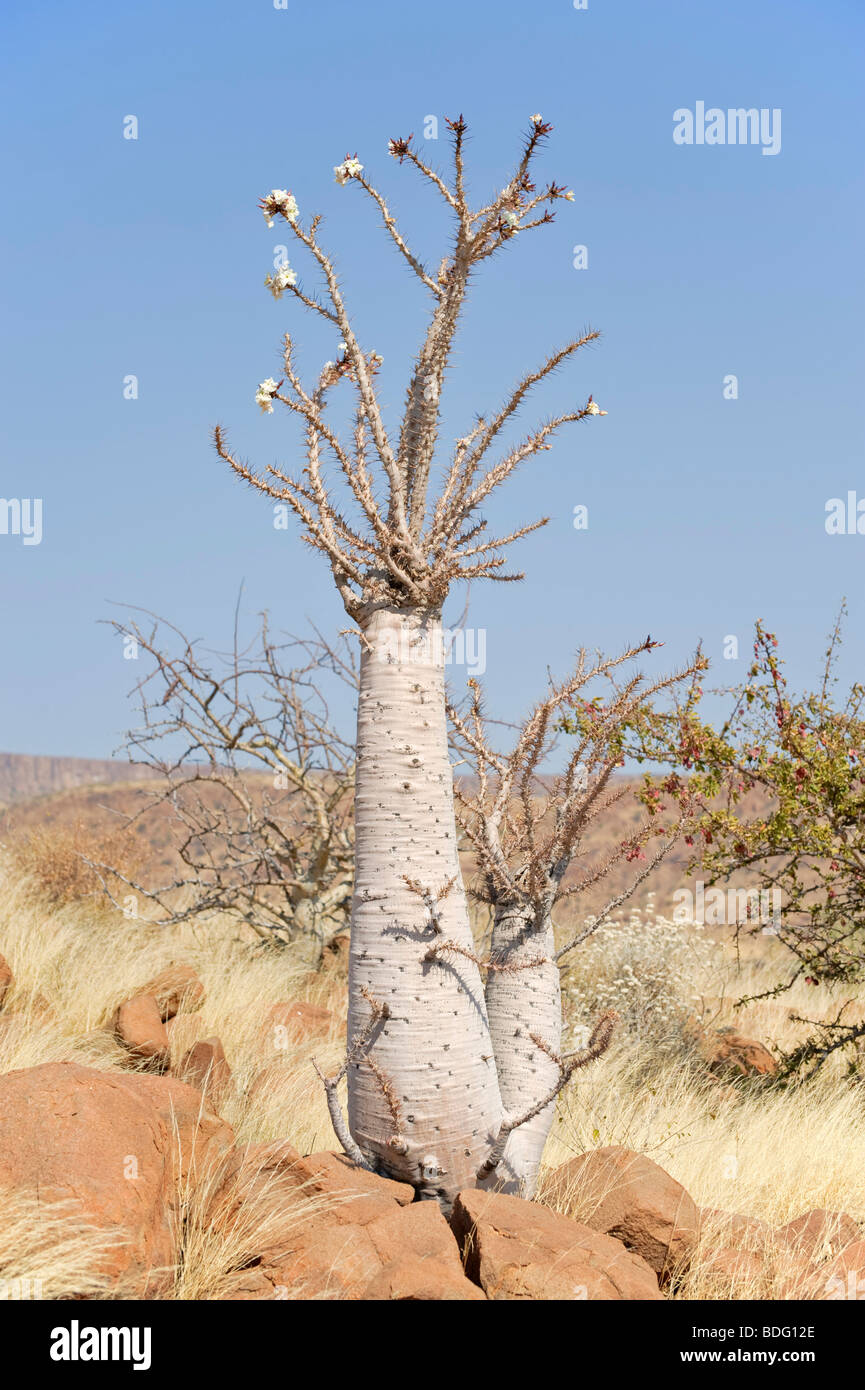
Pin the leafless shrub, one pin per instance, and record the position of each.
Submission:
(256, 775)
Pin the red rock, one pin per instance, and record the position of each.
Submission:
(188, 1027)
(410, 1279)
(267, 1083)
(731, 1230)
(292, 1023)
(199, 1136)
(205, 1066)
(6, 979)
(627, 1196)
(819, 1234)
(327, 1227)
(250, 1171)
(728, 1053)
(248, 1285)
(174, 989)
(844, 1278)
(419, 1229)
(364, 1196)
(797, 1278)
(139, 1027)
(108, 1144)
(335, 954)
(520, 1250)
(852, 1258)
(419, 1254)
(732, 1269)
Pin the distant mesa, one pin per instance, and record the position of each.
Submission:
(25, 775)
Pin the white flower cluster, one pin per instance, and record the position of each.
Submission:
(510, 218)
(330, 367)
(537, 118)
(279, 283)
(650, 970)
(350, 168)
(593, 408)
(279, 202)
(265, 393)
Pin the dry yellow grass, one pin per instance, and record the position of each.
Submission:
(764, 1152)
(45, 1252)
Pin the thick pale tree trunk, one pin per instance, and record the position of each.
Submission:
(519, 1003)
(424, 1101)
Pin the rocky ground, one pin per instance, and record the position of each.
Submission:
(167, 1202)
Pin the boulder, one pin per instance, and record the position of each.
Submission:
(139, 1027)
(248, 1285)
(819, 1234)
(516, 1249)
(627, 1196)
(844, 1277)
(797, 1278)
(174, 989)
(205, 1066)
(293, 1023)
(334, 957)
(731, 1230)
(331, 1229)
(728, 1053)
(731, 1272)
(358, 1196)
(116, 1147)
(331, 1245)
(851, 1260)
(411, 1279)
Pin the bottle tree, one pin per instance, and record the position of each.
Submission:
(424, 1101)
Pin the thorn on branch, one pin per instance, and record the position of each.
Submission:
(501, 967)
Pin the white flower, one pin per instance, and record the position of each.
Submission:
(593, 408)
(279, 283)
(279, 201)
(537, 119)
(350, 168)
(510, 219)
(265, 393)
(342, 347)
(328, 366)
(570, 195)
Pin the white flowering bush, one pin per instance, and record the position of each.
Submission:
(651, 970)
(350, 168)
(279, 202)
(267, 389)
(279, 283)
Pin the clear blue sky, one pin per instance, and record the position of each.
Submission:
(147, 257)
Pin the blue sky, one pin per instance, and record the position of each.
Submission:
(147, 257)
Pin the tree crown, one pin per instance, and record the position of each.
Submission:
(407, 548)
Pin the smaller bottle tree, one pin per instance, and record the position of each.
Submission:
(527, 832)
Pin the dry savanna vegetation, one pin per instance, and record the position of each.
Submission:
(737, 1143)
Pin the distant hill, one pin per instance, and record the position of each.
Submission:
(94, 797)
(94, 809)
(25, 775)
